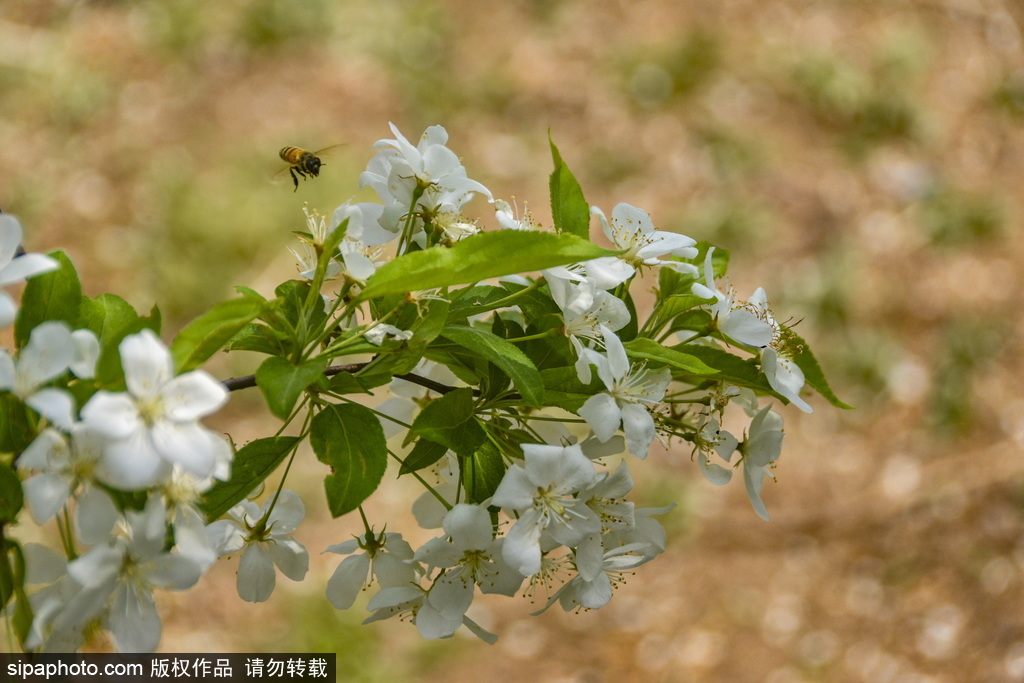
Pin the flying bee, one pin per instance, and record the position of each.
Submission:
(302, 163)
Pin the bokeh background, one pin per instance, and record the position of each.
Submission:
(862, 159)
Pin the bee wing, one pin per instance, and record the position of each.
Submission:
(329, 151)
(280, 176)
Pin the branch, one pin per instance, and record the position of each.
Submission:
(249, 381)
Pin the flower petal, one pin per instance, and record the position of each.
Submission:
(133, 620)
(290, 556)
(45, 495)
(147, 364)
(192, 396)
(114, 415)
(603, 415)
(638, 425)
(132, 463)
(347, 580)
(256, 578)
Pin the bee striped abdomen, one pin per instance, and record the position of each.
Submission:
(291, 154)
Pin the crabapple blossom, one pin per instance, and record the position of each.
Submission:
(116, 581)
(65, 467)
(594, 590)
(430, 621)
(428, 170)
(46, 356)
(470, 557)
(263, 536)
(784, 375)
(508, 220)
(154, 425)
(631, 229)
(747, 322)
(711, 438)
(542, 489)
(385, 557)
(15, 268)
(760, 450)
(622, 402)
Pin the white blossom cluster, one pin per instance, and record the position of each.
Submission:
(564, 514)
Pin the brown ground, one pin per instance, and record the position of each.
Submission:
(862, 160)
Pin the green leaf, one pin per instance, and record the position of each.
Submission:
(346, 383)
(482, 472)
(282, 383)
(212, 330)
(349, 438)
(482, 256)
(451, 422)
(16, 433)
(508, 357)
(249, 291)
(648, 349)
(293, 295)
(424, 454)
(333, 241)
(12, 586)
(11, 498)
(731, 368)
(56, 295)
(257, 337)
(107, 316)
(382, 369)
(677, 304)
(813, 374)
(563, 389)
(569, 209)
(471, 301)
(112, 319)
(431, 321)
(253, 463)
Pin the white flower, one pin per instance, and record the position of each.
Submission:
(646, 531)
(632, 229)
(400, 170)
(117, 581)
(430, 622)
(51, 630)
(542, 489)
(507, 219)
(587, 312)
(751, 323)
(46, 356)
(471, 557)
(712, 439)
(16, 268)
(364, 223)
(181, 495)
(784, 375)
(606, 497)
(306, 260)
(385, 557)
(595, 591)
(265, 541)
(746, 322)
(454, 228)
(155, 424)
(622, 404)
(65, 468)
(760, 450)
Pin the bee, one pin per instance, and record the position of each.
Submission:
(301, 163)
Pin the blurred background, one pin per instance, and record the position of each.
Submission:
(863, 160)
